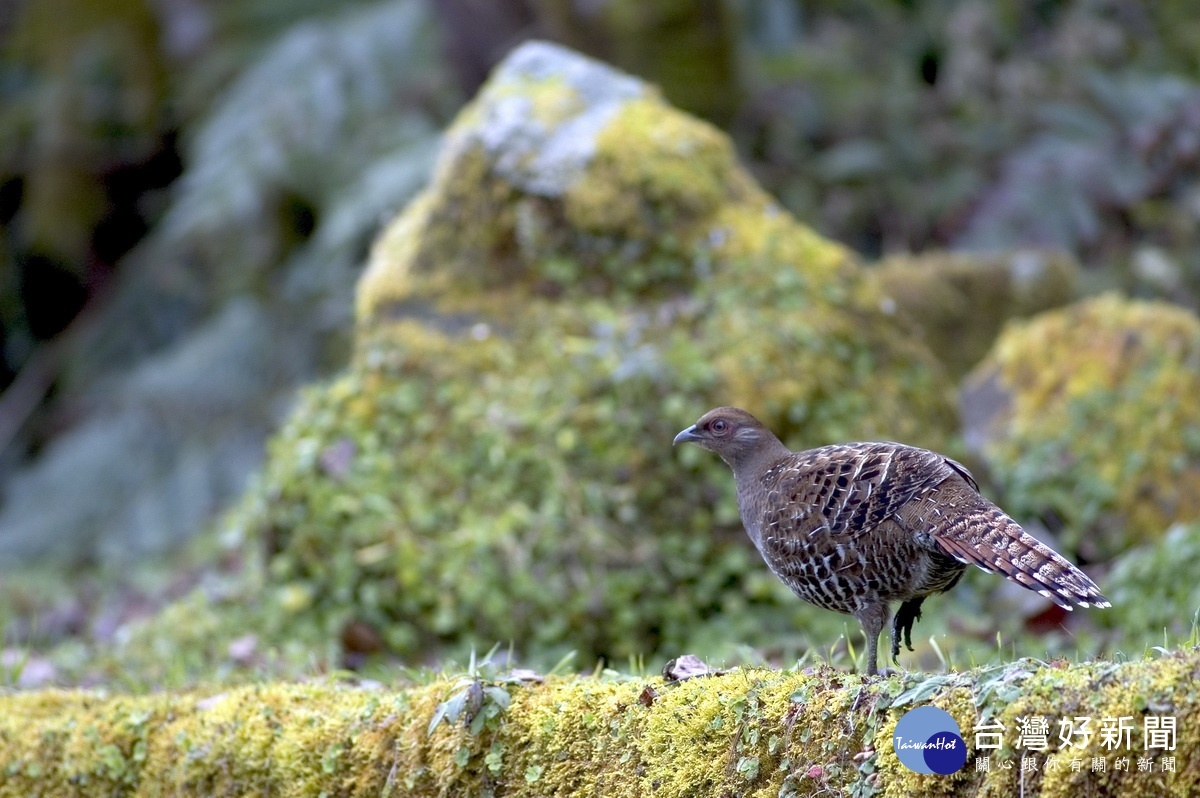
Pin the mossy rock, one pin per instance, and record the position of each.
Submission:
(589, 272)
(565, 178)
(753, 732)
(959, 301)
(1088, 415)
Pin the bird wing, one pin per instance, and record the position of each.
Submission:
(846, 490)
(824, 511)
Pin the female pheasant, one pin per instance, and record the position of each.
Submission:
(854, 527)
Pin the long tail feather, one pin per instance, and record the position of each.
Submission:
(984, 536)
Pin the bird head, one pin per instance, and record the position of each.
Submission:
(735, 435)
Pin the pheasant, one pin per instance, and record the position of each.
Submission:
(853, 527)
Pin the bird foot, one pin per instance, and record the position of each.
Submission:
(902, 624)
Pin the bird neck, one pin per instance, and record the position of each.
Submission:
(751, 463)
(749, 468)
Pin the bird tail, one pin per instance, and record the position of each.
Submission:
(984, 536)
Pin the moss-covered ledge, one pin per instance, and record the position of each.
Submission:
(753, 732)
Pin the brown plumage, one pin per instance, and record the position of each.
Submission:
(855, 526)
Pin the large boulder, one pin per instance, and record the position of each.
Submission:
(1088, 417)
(588, 272)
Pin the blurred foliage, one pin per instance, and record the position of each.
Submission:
(1088, 415)
(1154, 590)
(300, 127)
(959, 302)
(322, 123)
(190, 421)
(289, 173)
(95, 95)
(242, 291)
(689, 50)
(890, 126)
(908, 126)
(84, 83)
(1126, 149)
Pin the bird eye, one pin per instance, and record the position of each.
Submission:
(719, 426)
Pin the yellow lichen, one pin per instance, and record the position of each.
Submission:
(386, 277)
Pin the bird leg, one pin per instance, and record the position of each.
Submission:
(873, 618)
(908, 614)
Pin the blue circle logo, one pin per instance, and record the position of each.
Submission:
(928, 740)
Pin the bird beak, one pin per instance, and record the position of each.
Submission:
(689, 435)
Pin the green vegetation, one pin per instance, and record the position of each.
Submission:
(1154, 590)
(1095, 420)
(493, 465)
(908, 127)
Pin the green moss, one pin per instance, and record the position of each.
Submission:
(752, 732)
(1055, 691)
(628, 225)
(1097, 419)
(516, 484)
(656, 170)
(79, 50)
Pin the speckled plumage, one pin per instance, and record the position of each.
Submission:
(854, 527)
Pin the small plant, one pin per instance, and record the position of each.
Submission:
(481, 697)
